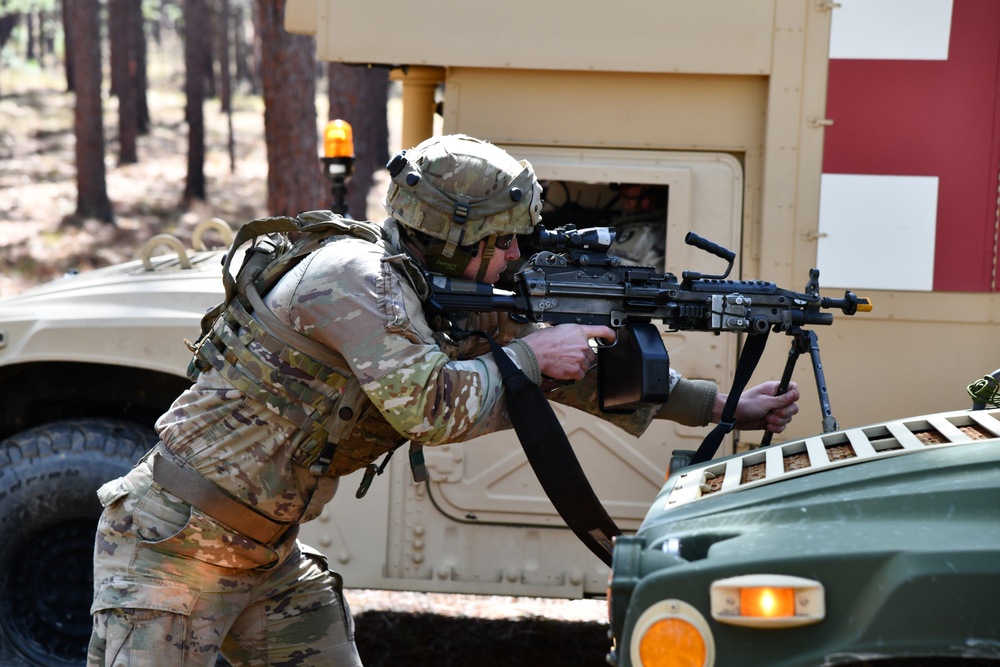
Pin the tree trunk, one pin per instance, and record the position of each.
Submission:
(223, 43)
(226, 98)
(360, 95)
(67, 17)
(194, 88)
(117, 46)
(124, 70)
(92, 197)
(141, 80)
(45, 41)
(294, 179)
(240, 48)
(29, 24)
(161, 21)
(7, 24)
(208, 50)
(247, 43)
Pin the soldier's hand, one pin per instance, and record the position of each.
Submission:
(564, 351)
(760, 409)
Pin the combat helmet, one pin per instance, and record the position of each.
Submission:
(455, 191)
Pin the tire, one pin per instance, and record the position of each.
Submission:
(48, 516)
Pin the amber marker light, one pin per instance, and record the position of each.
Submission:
(338, 139)
(767, 601)
(672, 633)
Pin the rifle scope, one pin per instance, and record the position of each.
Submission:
(564, 239)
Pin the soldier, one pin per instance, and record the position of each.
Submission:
(334, 366)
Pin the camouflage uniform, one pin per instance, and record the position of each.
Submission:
(173, 585)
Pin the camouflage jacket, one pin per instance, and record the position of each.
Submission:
(407, 381)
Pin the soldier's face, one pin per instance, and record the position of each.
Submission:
(498, 263)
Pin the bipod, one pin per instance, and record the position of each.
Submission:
(806, 341)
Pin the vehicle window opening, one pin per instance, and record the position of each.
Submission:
(637, 211)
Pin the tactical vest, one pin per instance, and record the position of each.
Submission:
(343, 430)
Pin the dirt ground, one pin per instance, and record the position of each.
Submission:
(420, 629)
(40, 240)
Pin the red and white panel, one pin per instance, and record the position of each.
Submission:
(910, 172)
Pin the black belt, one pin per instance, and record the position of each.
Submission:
(211, 500)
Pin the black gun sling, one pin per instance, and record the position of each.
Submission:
(553, 460)
(752, 351)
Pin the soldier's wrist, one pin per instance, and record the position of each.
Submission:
(525, 359)
(690, 403)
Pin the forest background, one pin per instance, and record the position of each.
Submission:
(149, 116)
(130, 123)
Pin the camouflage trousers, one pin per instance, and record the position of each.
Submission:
(174, 587)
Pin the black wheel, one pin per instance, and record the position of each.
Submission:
(49, 476)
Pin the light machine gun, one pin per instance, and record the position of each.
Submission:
(572, 278)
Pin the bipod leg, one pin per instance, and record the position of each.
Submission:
(800, 344)
(829, 423)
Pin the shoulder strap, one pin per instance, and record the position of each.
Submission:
(267, 260)
(553, 460)
(288, 335)
(250, 232)
(323, 223)
(316, 226)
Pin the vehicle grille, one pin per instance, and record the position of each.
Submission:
(847, 447)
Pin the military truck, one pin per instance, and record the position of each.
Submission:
(876, 545)
(659, 117)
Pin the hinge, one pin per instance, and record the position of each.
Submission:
(815, 121)
(826, 5)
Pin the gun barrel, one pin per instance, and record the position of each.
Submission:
(850, 304)
(814, 318)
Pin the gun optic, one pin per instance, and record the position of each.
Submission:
(565, 239)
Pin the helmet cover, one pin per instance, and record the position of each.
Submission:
(461, 190)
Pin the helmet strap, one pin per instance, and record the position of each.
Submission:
(432, 255)
(454, 240)
(487, 256)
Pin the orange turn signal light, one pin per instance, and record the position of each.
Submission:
(672, 642)
(338, 139)
(672, 633)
